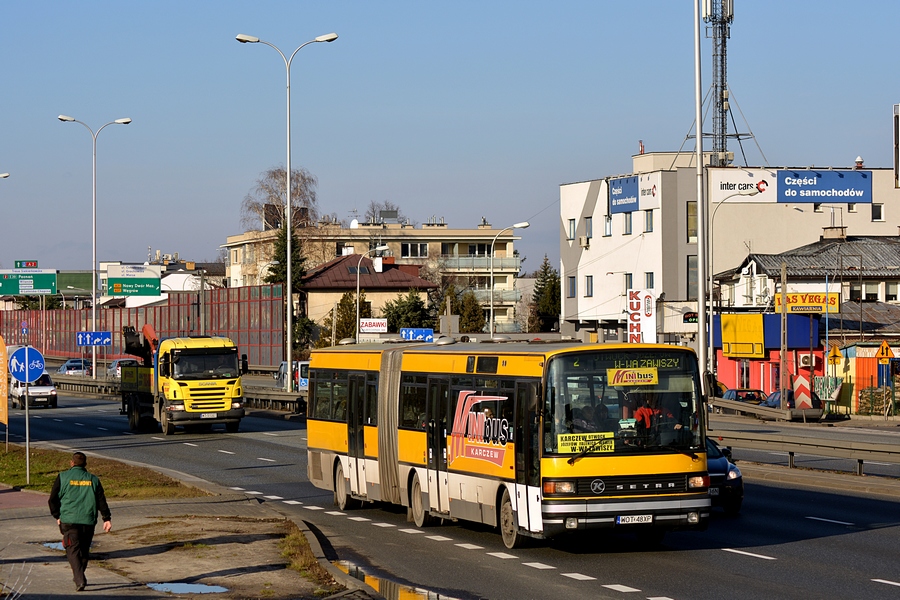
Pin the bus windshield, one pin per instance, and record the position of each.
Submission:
(206, 365)
(622, 402)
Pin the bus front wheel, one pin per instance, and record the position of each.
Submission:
(342, 497)
(509, 529)
(417, 508)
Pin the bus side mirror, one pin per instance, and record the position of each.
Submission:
(244, 366)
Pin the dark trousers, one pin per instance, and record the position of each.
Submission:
(77, 542)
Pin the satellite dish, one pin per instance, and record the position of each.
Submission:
(354, 224)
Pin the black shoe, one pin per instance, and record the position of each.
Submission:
(79, 587)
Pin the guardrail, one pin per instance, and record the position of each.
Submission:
(860, 451)
(764, 412)
(254, 396)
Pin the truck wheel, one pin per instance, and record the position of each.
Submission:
(134, 417)
(167, 426)
(232, 427)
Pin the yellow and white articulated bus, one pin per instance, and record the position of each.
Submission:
(536, 438)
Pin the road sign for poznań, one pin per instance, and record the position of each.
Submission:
(93, 338)
(26, 364)
(27, 282)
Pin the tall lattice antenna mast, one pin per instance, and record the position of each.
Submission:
(719, 14)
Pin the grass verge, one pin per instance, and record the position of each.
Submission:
(295, 548)
(120, 481)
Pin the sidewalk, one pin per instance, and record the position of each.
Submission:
(29, 568)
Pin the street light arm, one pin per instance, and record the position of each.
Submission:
(522, 225)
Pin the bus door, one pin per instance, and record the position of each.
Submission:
(437, 419)
(356, 453)
(528, 457)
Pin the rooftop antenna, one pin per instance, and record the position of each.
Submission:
(719, 14)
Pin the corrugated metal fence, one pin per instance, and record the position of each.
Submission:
(252, 316)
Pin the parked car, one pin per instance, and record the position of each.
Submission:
(774, 400)
(76, 366)
(114, 370)
(41, 392)
(301, 375)
(726, 484)
(745, 395)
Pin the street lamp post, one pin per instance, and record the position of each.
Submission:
(712, 271)
(358, 265)
(249, 39)
(126, 121)
(522, 225)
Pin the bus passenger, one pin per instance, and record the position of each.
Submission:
(584, 419)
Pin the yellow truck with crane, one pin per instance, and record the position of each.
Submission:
(194, 382)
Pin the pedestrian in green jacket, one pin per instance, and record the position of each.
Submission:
(75, 499)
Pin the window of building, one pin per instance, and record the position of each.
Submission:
(692, 277)
(744, 373)
(607, 226)
(855, 292)
(648, 221)
(890, 291)
(588, 286)
(692, 223)
(871, 292)
(878, 212)
(413, 250)
(571, 229)
(817, 207)
(479, 249)
(627, 230)
(570, 287)
(449, 249)
(234, 257)
(648, 281)
(851, 207)
(589, 227)
(629, 281)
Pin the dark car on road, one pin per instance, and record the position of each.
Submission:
(774, 400)
(745, 395)
(726, 484)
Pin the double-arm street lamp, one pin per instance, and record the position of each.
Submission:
(126, 121)
(521, 225)
(358, 266)
(249, 39)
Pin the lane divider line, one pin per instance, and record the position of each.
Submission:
(830, 521)
(537, 565)
(616, 587)
(579, 576)
(502, 555)
(763, 556)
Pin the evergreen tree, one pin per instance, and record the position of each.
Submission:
(545, 300)
(471, 314)
(277, 270)
(406, 311)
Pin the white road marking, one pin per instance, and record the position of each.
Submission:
(313, 507)
(292, 502)
(37, 417)
(469, 546)
(830, 521)
(254, 493)
(578, 576)
(360, 519)
(80, 407)
(383, 525)
(439, 538)
(80, 424)
(268, 433)
(537, 565)
(620, 588)
(237, 489)
(336, 513)
(60, 420)
(189, 444)
(887, 582)
(659, 598)
(273, 497)
(157, 438)
(502, 555)
(226, 452)
(412, 531)
(266, 459)
(128, 433)
(763, 556)
(103, 429)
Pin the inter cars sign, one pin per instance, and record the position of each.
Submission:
(755, 185)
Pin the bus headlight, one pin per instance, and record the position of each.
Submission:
(698, 481)
(559, 487)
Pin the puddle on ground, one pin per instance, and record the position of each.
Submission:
(187, 588)
(389, 589)
(54, 546)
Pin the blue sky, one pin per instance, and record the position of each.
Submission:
(460, 110)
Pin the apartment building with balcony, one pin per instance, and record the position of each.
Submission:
(444, 255)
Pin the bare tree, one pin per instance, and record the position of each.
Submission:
(376, 208)
(270, 192)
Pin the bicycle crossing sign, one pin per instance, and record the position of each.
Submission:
(26, 364)
(93, 338)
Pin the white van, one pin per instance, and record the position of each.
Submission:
(41, 392)
(301, 375)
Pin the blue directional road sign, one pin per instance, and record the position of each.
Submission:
(417, 334)
(93, 338)
(26, 364)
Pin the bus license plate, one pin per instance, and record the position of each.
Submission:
(207, 415)
(630, 519)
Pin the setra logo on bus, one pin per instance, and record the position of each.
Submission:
(474, 434)
(638, 376)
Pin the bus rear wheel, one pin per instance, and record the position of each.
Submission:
(342, 497)
(509, 529)
(419, 513)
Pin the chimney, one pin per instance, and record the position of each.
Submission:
(859, 163)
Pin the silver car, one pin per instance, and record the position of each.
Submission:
(114, 370)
